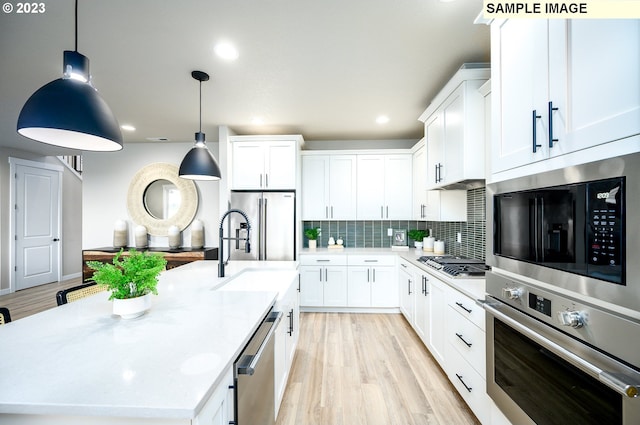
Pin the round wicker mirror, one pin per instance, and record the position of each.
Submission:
(138, 209)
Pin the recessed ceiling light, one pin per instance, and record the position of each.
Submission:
(226, 51)
(382, 119)
(257, 121)
(128, 127)
(158, 139)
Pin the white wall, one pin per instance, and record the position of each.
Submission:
(106, 179)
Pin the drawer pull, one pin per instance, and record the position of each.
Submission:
(370, 261)
(463, 383)
(463, 307)
(463, 340)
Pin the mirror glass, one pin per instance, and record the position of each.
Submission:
(162, 199)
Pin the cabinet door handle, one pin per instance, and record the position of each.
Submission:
(463, 340)
(551, 139)
(374, 275)
(387, 211)
(266, 180)
(463, 383)
(326, 211)
(326, 277)
(331, 211)
(291, 322)
(368, 275)
(534, 118)
(381, 211)
(409, 285)
(321, 275)
(463, 307)
(260, 180)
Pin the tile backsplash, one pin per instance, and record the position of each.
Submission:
(373, 234)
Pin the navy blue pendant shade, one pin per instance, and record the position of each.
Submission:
(199, 163)
(69, 112)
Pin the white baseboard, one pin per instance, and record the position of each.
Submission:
(376, 310)
(71, 276)
(5, 291)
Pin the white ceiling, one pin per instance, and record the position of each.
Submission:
(321, 68)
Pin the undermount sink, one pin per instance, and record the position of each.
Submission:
(260, 280)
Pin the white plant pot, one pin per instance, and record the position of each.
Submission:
(130, 308)
(417, 244)
(313, 244)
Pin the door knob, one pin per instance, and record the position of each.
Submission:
(56, 239)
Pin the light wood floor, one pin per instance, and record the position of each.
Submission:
(367, 369)
(34, 300)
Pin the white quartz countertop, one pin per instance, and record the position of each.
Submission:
(78, 359)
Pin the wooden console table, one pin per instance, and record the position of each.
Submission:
(174, 257)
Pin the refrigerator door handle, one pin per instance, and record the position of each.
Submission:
(264, 231)
(260, 227)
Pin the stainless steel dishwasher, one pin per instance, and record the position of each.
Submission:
(254, 376)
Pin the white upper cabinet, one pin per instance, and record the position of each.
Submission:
(454, 130)
(328, 187)
(264, 164)
(384, 187)
(446, 205)
(594, 81)
(560, 86)
(419, 168)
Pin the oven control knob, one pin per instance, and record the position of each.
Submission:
(571, 318)
(511, 293)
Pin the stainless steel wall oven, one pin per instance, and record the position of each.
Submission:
(563, 295)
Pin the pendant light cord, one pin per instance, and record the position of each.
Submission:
(76, 18)
(200, 107)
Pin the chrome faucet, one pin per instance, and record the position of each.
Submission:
(247, 247)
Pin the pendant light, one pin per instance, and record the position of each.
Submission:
(69, 112)
(199, 163)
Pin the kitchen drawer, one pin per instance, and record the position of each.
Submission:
(468, 339)
(371, 260)
(323, 260)
(467, 307)
(469, 383)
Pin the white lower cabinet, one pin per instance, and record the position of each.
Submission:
(406, 284)
(286, 340)
(218, 410)
(469, 383)
(348, 281)
(371, 281)
(437, 297)
(466, 352)
(452, 327)
(323, 280)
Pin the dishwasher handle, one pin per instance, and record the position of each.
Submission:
(249, 363)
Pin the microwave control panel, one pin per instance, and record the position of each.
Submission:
(605, 242)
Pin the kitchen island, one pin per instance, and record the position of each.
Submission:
(78, 364)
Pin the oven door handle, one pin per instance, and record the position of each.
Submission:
(616, 381)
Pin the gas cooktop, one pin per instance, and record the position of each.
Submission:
(458, 267)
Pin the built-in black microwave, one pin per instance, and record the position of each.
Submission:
(578, 228)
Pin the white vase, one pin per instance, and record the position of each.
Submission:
(313, 244)
(130, 308)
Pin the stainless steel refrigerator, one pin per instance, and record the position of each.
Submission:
(272, 216)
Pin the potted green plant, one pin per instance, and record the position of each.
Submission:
(312, 235)
(131, 278)
(417, 235)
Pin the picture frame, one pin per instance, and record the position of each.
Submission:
(399, 237)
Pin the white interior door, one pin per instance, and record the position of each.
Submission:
(37, 239)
